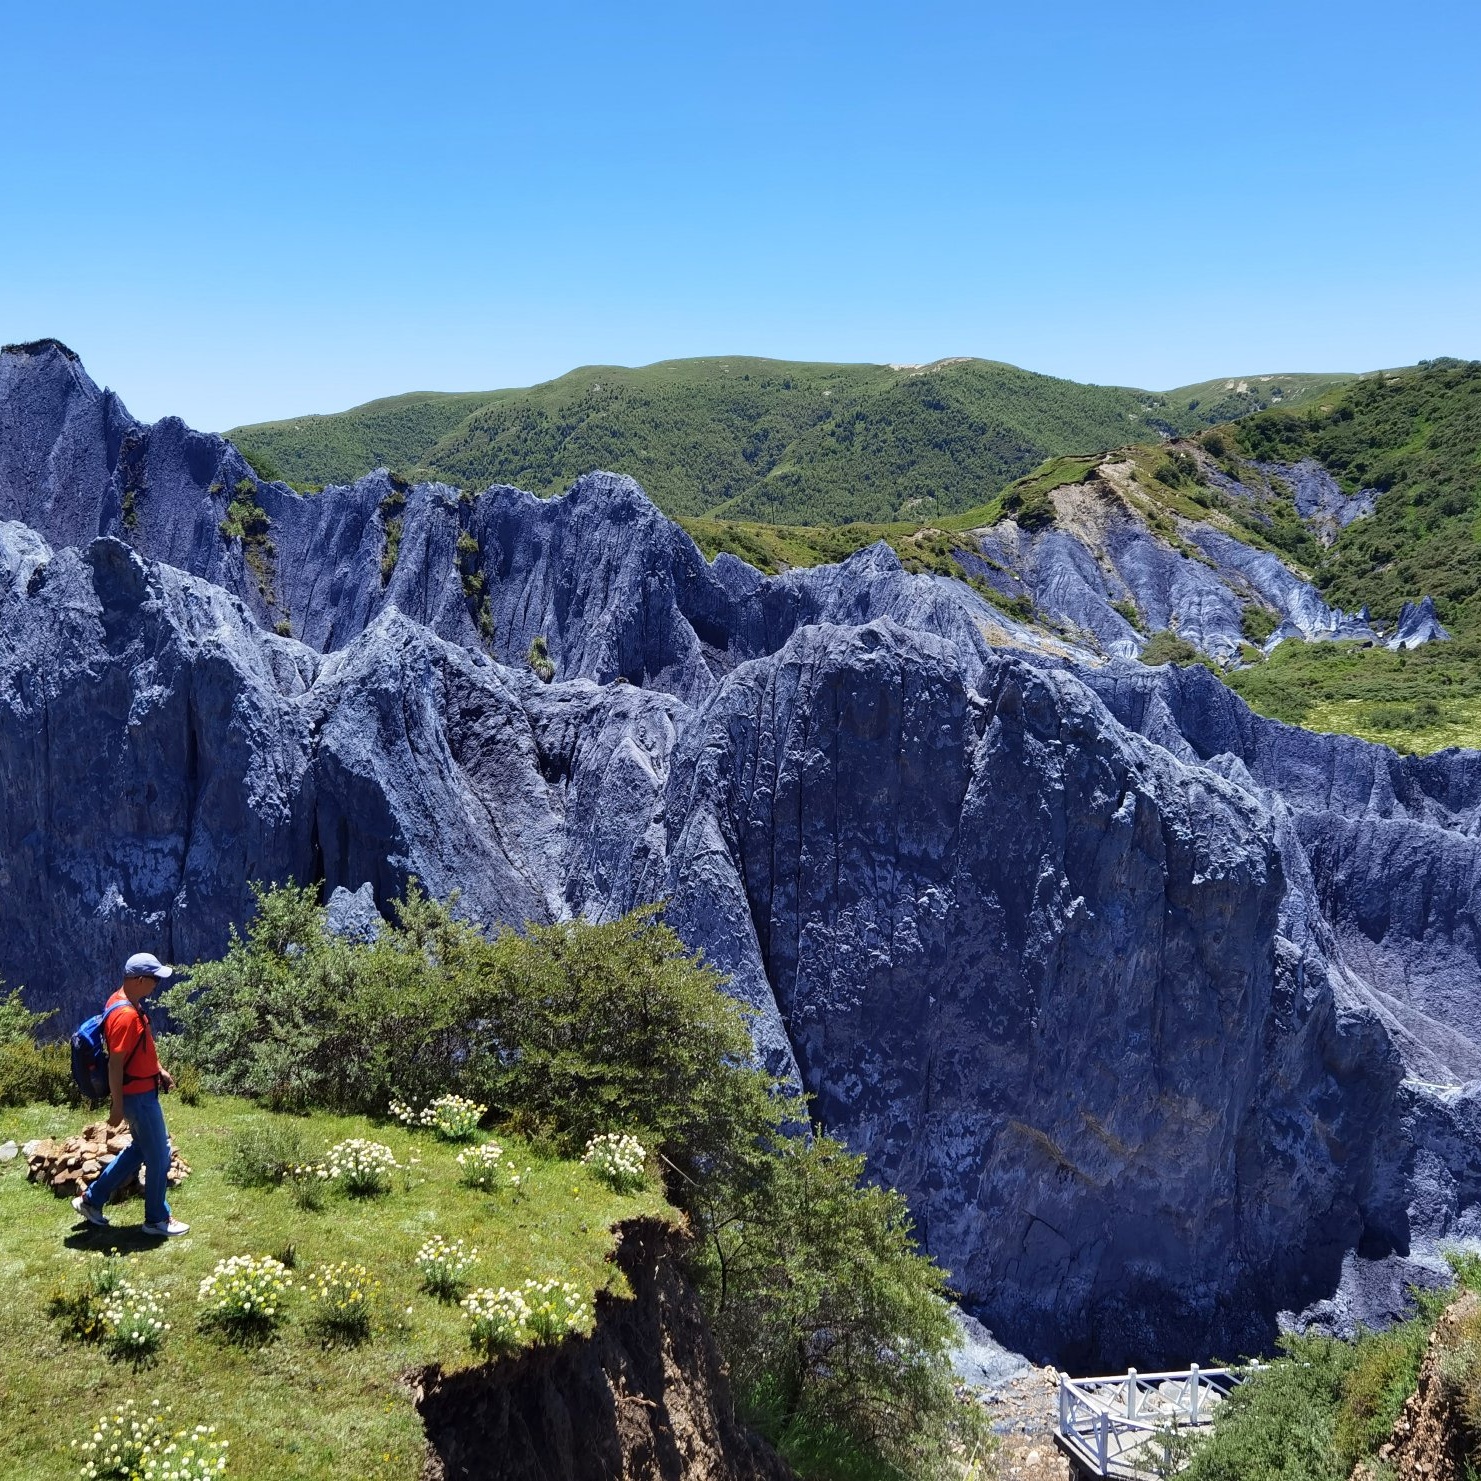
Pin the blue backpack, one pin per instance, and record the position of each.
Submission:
(90, 1055)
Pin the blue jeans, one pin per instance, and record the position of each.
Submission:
(150, 1147)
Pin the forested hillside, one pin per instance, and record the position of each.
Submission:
(1415, 437)
(773, 440)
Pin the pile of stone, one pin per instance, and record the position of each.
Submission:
(68, 1167)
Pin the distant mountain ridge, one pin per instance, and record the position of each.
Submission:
(775, 440)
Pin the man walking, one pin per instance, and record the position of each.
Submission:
(134, 1083)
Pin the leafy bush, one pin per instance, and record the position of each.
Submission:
(615, 1024)
(538, 659)
(832, 1320)
(443, 1266)
(18, 1024)
(361, 1168)
(1280, 1423)
(618, 1160)
(1256, 623)
(1383, 1371)
(133, 1322)
(1167, 647)
(188, 1084)
(342, 1298)
(825, 1308)
(246, 1296)
(31, 1072)
(262, 1154)
(246, 519)
(1313, 1414)
(78, 1306)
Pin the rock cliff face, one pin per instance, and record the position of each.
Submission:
(1158, 1012)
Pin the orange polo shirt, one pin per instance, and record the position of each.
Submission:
(131, 1039)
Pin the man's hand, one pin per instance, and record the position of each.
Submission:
(115, 1112)
(166, 1080)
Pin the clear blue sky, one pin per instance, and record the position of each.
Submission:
(246, 211)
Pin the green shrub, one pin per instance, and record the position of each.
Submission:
(188, 1084)
(468, 554)
(1256, 623)
(1383, 1370)
(77, 1304)
(616, 1024)
(18, 1024)
(1168, 647)
(834, 1323)
(1031, 508)
(245, 518)
(264, 1153)
(31, 1072)
(825, 1306)
(538, 659)
(1279, 1425)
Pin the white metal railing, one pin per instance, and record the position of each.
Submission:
(1122, 1425)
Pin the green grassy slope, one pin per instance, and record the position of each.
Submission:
(394, 432)
(1415, 436)
(770, 440)
(293, 1408)
(1231, 397)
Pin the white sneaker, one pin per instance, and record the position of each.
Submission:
(168, 1230)
(85, 1210)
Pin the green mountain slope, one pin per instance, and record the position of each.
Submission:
(1415, 436)
(771, 440)
(1231, 398)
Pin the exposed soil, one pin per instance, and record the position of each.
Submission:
(1430, 1438)
(644, 1398)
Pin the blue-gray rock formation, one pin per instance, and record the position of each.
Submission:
(1163, 1016)
(1418, 624)
(1113, 569)
(1319, 498)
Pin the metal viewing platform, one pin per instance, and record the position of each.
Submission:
(1124, 1426)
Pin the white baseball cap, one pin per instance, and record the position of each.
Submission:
(143, 964)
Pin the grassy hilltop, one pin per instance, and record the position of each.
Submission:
(779, 441)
